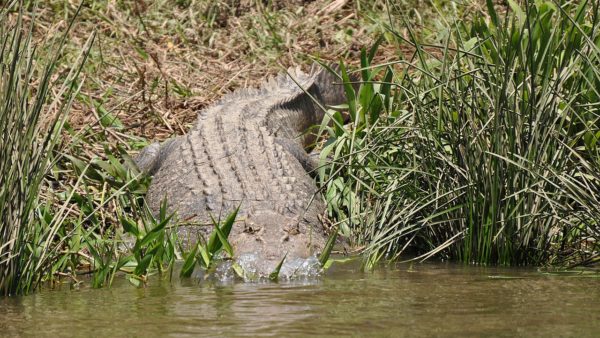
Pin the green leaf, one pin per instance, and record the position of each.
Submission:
(128, 161)
(130, 226)
(155, 232)
(120, 170)
(238, 270)
(143, 264)
(107, 167)
(492, 12)
(141, 52)
(126, 263)
(470, 44)
(331, 261)
(206, 257)
(350, 93)
(328, 247)
(274, 276)
(107, 119)
(190, 262)
(163, 209)
(521, 16)
(135, 280)
(373, 49)
(214, 243)
(386, 88)
(224, 241)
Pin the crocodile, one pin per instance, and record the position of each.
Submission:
(248, 152)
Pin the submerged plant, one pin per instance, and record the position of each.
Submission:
(483, 148)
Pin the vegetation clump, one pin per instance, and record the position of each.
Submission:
(28, 225)
(483, 148)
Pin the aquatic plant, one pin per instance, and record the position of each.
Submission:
(481, 148)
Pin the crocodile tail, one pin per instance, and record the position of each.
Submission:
(330, 84)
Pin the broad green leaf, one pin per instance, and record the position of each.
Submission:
(135, 280)
(189, 262)
(223, 240)
(521, 16)
(214, 243)
(350, 93)
(142, 267)
(107, 119)
(155, 232)
(205, 255)
(130, 226)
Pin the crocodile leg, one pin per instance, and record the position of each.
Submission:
(310, 162)
(151, 158)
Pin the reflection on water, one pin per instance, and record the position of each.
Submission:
(426, 300)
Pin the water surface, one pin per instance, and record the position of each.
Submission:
(432, 299)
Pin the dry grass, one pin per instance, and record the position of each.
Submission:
(155, 63)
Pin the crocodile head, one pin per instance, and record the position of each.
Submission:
(269, 237)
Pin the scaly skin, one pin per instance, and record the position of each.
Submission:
(248, 150)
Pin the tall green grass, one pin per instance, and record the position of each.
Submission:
(27, 96)
(65, 211)
(483, 148)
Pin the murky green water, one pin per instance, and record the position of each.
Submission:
(429, 300)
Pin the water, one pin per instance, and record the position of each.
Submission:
(422, 300)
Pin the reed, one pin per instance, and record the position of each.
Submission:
(27, 96)
(482, 148)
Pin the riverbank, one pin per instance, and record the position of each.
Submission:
(473, 140)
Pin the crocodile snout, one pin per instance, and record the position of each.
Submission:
(268, 237)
